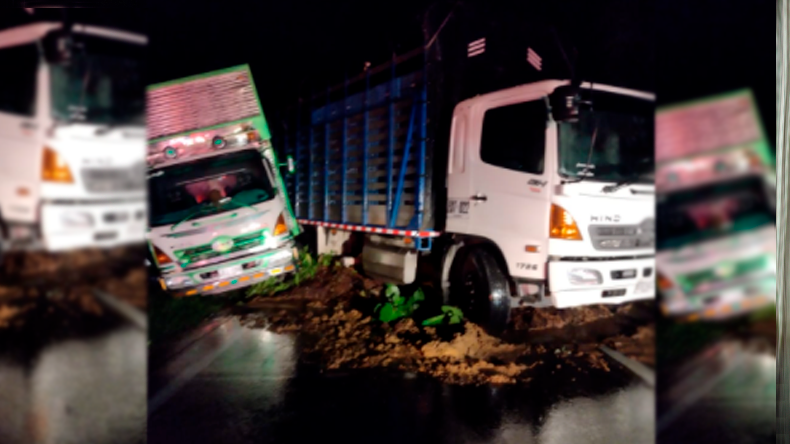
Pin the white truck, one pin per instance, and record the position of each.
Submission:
(519, 192)
(716, 185)
(72, 137)
(220, 218)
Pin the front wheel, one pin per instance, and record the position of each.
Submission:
(479, 287)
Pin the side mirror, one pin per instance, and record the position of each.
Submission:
(565, 104)
(58, 47)
(289, 164)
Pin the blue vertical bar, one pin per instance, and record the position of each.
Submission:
(366, 144)
(423, 136)
(344, 148)
(311, 153)
(391, 147)
(326, 158)
(404, 163)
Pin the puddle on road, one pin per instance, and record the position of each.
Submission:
(74, 390)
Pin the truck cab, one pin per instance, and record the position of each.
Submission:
(564, 204)
(220, 219)
(72, 128)
(717, 200)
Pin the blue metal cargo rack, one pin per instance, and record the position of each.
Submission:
(361, 159)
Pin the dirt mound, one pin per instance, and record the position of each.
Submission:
(530, 318)
(335, 310)
(640, 346)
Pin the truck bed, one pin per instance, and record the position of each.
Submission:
(362, 152)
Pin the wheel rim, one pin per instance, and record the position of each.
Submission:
(474, 297)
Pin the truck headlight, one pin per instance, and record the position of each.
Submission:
(585, 276)
(178, 281)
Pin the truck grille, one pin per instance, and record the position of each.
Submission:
(206, 252)
(624, 237)
(109, 180)
(722, 275)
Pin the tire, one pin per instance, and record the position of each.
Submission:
(479, 287)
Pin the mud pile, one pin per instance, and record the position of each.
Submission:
(552, 318)
(63, 283)
(336, 311)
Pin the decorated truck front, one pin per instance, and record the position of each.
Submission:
(219, 216)
(716, 199)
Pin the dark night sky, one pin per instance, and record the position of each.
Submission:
(698, 48)
(710, 46)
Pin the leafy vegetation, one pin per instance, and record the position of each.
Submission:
(398, 306)
(306, 269)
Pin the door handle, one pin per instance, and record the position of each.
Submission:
(479, 198)
(28, 125)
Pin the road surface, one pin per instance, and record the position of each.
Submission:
(233, 384)
(726, 394)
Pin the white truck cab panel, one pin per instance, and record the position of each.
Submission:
(505, 185)
(68, 182)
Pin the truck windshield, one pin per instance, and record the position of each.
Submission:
(207, 187)
(712, 212)
(102, 83)
(622, 149)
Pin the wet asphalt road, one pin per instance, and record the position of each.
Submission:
(73, 384)
(227, 383)
(726, 394)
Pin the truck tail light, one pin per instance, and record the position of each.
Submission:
(562, 225)
(280, 227)
(161, 257)
(54, 167)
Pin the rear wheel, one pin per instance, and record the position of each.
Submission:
(480, 289)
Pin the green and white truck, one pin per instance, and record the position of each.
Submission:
(716, 200)
(220, 218)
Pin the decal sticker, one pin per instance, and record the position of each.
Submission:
(525, 266)
(464, 207)
(451, 205)
(536, 185)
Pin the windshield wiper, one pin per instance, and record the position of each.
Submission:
(628, 181)
(189, 216)
(586, 170)
(206, 206)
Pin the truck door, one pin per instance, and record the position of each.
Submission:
(510, 180)
(20, 147)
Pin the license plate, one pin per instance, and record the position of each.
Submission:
(645, 287)
(229, 271)
(106, 235)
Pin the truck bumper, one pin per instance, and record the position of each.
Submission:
(607, 289)
(723, 305)
(66, 226)
(231, 275)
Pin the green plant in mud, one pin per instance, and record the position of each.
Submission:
(397, 306)
(306, 269)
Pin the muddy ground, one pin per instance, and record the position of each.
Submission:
(334, 311)
(61, 285)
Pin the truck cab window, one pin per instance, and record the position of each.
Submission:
(514, 137)
(20, 71)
